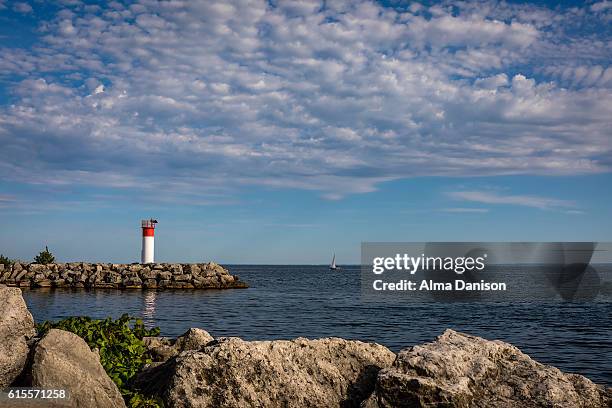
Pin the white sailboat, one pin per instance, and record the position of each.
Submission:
(333, 266)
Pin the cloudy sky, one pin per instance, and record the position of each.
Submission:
(284, 131)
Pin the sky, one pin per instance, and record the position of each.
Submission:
(284, 132)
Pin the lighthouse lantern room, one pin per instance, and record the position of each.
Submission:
(148, 241)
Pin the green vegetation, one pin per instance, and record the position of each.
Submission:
(45, 257)
(122, 352)
(6, 262)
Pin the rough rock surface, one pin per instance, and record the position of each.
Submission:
(458, 370)
(120, 276)
(232, 372)
(193, 339)
(160, 348)
(16, 326)
(163, 348)
(62, 360)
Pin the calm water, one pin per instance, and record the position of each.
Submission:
(310, 301)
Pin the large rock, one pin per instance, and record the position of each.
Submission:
(16, 326)
(192, 339)
(458, 370)
(162, 348)
(298, 373)
(62, 360)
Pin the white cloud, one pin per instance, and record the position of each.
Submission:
(333, 98)
(99, 89)
(596, 76)
(448, 30)
(492, 82)
(601, 6)
(486, 197)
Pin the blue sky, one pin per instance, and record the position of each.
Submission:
(265, 132)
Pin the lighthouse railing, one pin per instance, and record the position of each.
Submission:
(147, 224)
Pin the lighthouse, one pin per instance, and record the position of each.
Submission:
(148, 241)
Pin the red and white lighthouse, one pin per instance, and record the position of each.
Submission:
(148, 241)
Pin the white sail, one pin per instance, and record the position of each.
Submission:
(333, 263)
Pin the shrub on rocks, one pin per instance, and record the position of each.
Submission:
(45, 257)
(5, 262)
(120, 346)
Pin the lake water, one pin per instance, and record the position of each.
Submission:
(285, 302)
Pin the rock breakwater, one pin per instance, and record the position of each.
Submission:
(120, 276)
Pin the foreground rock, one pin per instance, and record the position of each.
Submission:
(458, 370)
(162, 348)
(16, 327)
(62, 360)
(120, 276)
(298, 373)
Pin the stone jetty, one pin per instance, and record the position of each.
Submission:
(120, 276)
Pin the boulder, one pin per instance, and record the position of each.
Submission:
(160, 348)
(44, 283)
(164, 275)
(149, 284)
(58, 283)
(458, 370)
(231, 372)
(193, 269)
(164, 283)
(132, 282)
(193, 339)
(34, 267)
(163, 348)
(62, 360)
(206, 282)
(147, 273)
(180, 285)
(135, 267)
(113, 277)
(16, 327)
(38, 277)
(20, 275)
(226, 279)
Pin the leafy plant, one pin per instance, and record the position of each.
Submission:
(122, 352)
(137, 400)
(45, 257)
(6, 262)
